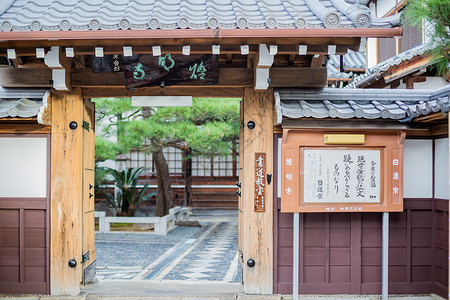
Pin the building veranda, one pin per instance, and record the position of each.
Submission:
(57, 56)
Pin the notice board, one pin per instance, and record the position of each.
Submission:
(319, 177)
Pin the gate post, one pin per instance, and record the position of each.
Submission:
(257, 227)
(66, 192)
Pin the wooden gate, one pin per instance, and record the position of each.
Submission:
(88, 247)
(24, 220)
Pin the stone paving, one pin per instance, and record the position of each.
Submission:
(207, 253)
(212, 258)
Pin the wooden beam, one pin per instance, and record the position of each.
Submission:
(438, 116)
(248, 35)
(439, 130)
(257, 240)
(228, 78)
(66, 193)
(24, 128)
(197, 91)
(18, 77)
(86, 78)
(407, 67)
(298, 77)
(317, 61)
(83, 46)
(226, 49)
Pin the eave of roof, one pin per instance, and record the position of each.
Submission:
(201, 34)
(376, 72)
(399, 104)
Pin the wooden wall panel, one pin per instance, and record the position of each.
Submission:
(23, 242)
(331, 262)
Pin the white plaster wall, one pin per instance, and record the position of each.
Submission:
(418, 169)
(441, 169)
(279, 169)
(432, 83)
(371, 52)
(23, 167)
(383, 7)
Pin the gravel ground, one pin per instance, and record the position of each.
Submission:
(135, 255)
(123, 249)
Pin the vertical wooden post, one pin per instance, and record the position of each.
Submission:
(257, 227)
(385, 258)
(66, 192)
(295, 255)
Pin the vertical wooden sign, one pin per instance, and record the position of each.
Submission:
(260, 182)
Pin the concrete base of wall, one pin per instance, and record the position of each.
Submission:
(219, 296)
(363, 297)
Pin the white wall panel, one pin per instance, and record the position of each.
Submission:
(441, 180)
(23, 165)
(417, 169)
(384, 6)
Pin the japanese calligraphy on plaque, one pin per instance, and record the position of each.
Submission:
(167, 69)
(149, 70)
(351, 176)
(260, 182)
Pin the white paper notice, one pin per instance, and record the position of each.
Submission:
(341, 176)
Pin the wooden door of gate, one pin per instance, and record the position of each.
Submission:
(88, 246)
(24, 207)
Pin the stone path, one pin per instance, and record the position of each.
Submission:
(208, 253)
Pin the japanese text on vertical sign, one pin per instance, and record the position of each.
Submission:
(260, 182)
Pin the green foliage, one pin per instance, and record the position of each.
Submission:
(437, 13)
(100, 179)
(207, 127)
(126, 182)
(113, 106)
(104, 149)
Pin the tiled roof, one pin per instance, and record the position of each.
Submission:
(398, 104)
(23, 103)
(53, 15)
(352, 60)
(376, 71)
(24, 108)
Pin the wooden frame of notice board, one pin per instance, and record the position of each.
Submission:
(342, 171)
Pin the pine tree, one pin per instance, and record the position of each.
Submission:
(437, 13)
(208, 127)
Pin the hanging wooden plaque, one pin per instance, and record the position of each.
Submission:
(260, 182)
(165, 70)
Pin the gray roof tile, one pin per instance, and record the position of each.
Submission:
(25, 15)
(351, 60)
(23, 103)
(397, 104)
(376, 71)
(23, 108)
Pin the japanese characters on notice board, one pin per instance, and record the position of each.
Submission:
(341, 176)
(316, 178)
(260, 182)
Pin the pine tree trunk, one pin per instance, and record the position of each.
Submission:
(164, 197)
